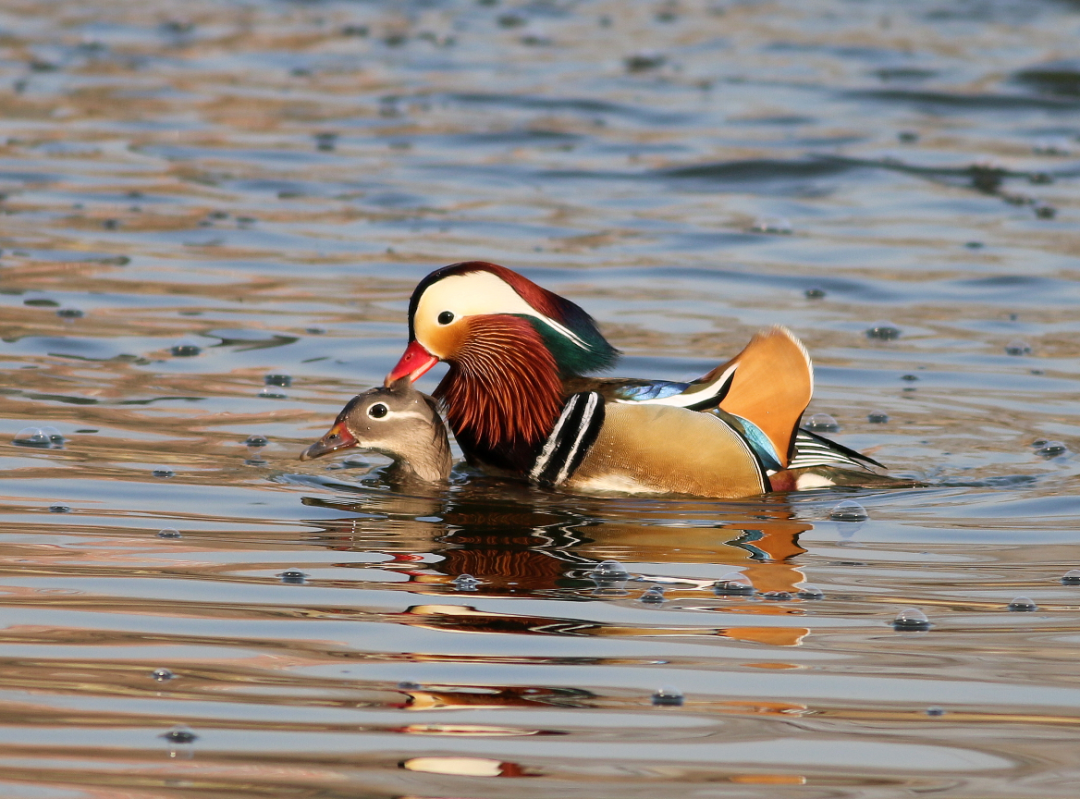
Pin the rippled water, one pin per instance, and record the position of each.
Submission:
(213, 215)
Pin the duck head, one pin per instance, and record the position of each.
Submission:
(397, 421)
(509, 343)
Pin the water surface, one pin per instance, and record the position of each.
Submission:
(213, 217)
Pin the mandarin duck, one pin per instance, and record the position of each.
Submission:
(520, 404)
(397, 421)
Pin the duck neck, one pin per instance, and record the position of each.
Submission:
(503, 393)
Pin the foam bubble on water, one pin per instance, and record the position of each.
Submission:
(282, 380)
(911, 619)
(465, 582)
(609, 571)
(1052, 449)
(814, 293)
(877, 417)
(810, 592)
(1071, 577)
(1023, 604)
(293, 577)
(653, 596)
(256, 441)
(733, 583)
(822, 423)
(169, 532)
(667, 696)
(883, 331)
(775, 225)
(777, 596)
(1018, 347)
(163, 472)
(935, 711)
(185, 349)
(408, 685)
(59, 509)
(848, 511)
(31, 437)
(180, 734)
(162, 675)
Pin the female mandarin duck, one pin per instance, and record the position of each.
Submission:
(397, 421)
(520, 406)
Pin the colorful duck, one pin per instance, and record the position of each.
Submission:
(397, 421)
(520, 405)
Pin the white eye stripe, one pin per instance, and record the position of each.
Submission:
(480, 293)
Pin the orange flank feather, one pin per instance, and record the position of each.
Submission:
(771, 387)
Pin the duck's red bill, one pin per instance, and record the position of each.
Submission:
(339, 437)
(414, 363)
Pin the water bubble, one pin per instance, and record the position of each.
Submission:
(1052, 449)
(911, 619)
(609, 571)
(935, 711)
(409, 685)
(293, 577)
(169, 532)
(256, 441)
(822, 423)
(56, 438)
(1039, 442)
(645, 60)
(848, 511)
(1023, 604)
(814, 293)
(1018, 347)
(877, 417)
(31, 437)
(733, 583)
(776, 225)
(278, 380)
(163, 472)
(162, 675)
(777, 596)
(465, 582)
(653, 596)
(810, 592)
(1051, 147)
(59, 509)
(69, 313)
(667, 696)
(180, 735)
(185, 350)
(1072, 577)
(269, 393)
(909, 378)
(883, 331)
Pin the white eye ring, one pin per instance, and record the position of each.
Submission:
(445, 318)
(377, 411)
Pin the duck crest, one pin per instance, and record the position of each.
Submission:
(569, 332)
(503, 393)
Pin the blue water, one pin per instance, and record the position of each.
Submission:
(263, 183)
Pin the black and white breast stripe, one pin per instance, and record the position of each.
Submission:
(570, 440)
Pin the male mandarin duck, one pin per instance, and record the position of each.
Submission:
(397, 421)
(520, 405)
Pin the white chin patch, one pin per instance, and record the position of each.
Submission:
(811, 480)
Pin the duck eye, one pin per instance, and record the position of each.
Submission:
(445, 318)
(377, 411)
